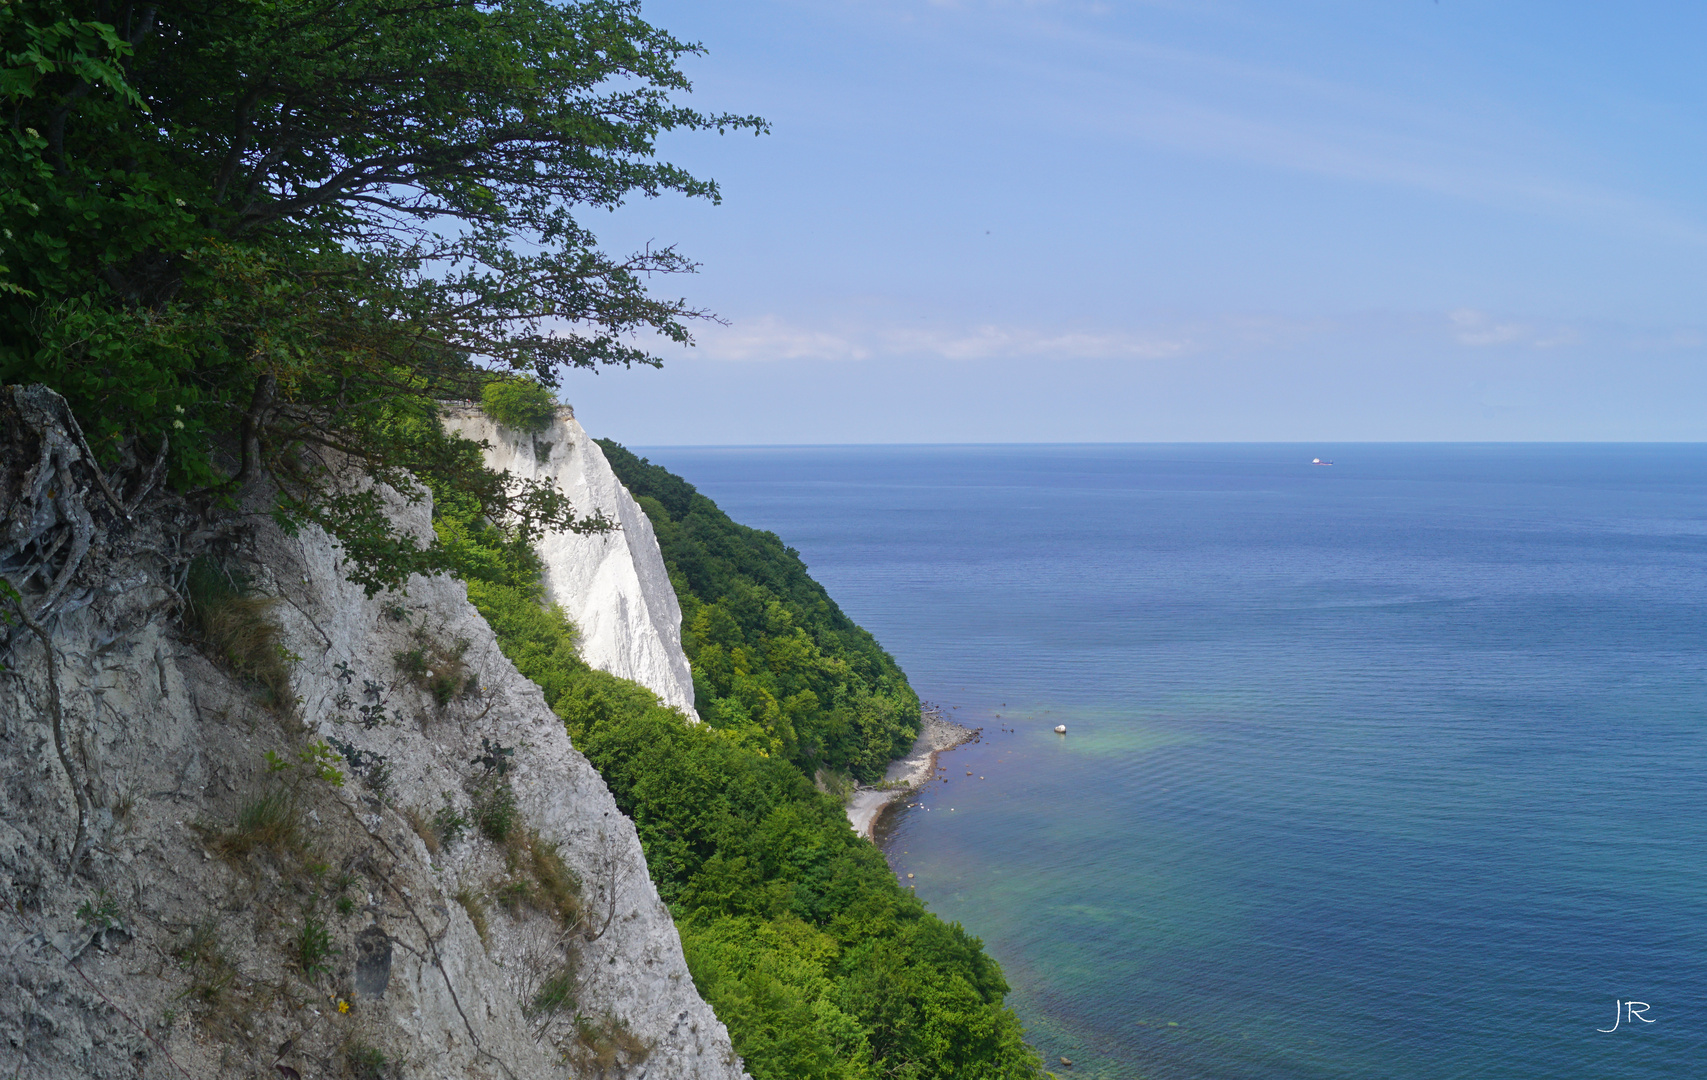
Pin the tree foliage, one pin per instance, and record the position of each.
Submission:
(519, 403)
(266, 236)
(774, 658)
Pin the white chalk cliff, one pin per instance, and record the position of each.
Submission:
(384, 935)
(612, 585)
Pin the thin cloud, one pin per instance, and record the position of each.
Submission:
(1207, 104)
(770, 338)
(1478, 329)
(775, 338)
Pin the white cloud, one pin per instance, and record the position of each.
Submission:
(1478, 329)
(840, 340)
(772, 338)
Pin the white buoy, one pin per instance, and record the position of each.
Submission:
(1060, 729)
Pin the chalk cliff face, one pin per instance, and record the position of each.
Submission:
(370, 926)
(612, 585)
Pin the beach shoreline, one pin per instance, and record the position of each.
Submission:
(905, 775)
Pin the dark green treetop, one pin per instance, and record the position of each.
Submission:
(775, 659)
(268, 235)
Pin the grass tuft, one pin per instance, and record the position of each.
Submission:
(539, 879)
(606, 1039)
(271, 821)
(364, 1062)
(476, 911)
(556, 994)
(312, 949)
(424, 829)
(211, 971)
(239, 629)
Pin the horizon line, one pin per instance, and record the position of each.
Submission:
(1168, 442)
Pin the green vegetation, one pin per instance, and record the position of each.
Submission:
(312, 948)
(796, 931)
(211, 970)
(363, 1062)
(436, 667)
(259, 243)
(238, 627)
(261, 240)
(774, 659)
(519, 403)
(101, 911)
(271, 821)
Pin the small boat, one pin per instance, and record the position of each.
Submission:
(1060, 729)
(1319, 461)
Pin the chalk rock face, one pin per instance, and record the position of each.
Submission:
(397, 919)
(613, 585)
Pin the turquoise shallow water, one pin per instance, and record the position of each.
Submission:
(1393, 768)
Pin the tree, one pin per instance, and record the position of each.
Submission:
(264, 238)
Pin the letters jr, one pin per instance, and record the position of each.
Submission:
(1634, 1010)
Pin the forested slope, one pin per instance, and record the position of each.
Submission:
(796, 931)
(774, 659)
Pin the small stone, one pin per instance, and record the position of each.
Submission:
(1067, 1062)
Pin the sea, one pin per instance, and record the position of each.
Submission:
(1389, 767)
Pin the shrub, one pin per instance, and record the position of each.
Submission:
(373, 768)
(101, 911)
(495, 809)
(494, 801)
(436, 668)
(519, 403)
(449, 822)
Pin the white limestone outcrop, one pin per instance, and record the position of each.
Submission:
(612, 585)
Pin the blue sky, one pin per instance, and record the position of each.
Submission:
(1174, 221)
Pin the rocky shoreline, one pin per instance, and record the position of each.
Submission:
(906, 775)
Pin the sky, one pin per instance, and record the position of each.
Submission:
(1214, 220)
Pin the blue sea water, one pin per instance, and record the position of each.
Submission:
(1393, 768)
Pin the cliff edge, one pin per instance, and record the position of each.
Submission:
(613, 585)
